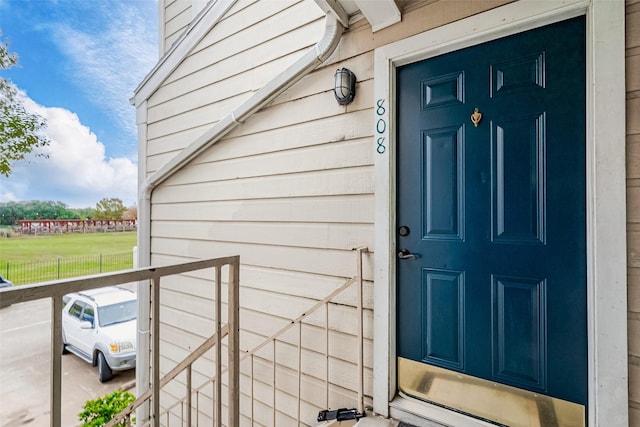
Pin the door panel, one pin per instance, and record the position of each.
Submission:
(519, 329)
(443, 179)
(518, 158)
(495, 213)
(443, 317)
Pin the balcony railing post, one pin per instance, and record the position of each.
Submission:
(299, 368)
(360, 331)
(189, 396)
(56, 361)
(234, 343)
(155, 348)
(217, 413)
(326, 353)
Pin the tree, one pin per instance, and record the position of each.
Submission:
(10, 212)
(20, 131)
(131, 213)
(83, 213)
(112, 208)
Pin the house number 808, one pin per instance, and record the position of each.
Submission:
(381, 127)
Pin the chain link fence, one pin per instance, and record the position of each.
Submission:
(21, 273)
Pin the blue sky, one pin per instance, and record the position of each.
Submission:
(79, 62)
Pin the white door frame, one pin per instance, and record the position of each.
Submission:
(606, 190)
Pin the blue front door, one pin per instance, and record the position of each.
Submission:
(491, 269)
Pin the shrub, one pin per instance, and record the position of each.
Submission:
(99, 411)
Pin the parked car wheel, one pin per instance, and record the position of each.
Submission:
(104, 371)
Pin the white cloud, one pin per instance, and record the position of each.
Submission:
(76, 172)
(110, 57)
(107, 49)
(8, 197)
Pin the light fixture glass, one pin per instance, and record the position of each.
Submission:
(345, 86)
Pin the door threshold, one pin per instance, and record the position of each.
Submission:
(493, 403)
(418, 412)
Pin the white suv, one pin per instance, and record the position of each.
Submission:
(99, 326)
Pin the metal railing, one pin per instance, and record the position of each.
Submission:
(55, 290)
(298, 322)
(230, 330)
(21, 273)
(183, 408)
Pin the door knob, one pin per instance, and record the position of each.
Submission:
(406, 254)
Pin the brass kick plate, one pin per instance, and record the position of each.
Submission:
(486, 400)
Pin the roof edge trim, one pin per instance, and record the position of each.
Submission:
(208, 17)
(332, 7)
(307, 63)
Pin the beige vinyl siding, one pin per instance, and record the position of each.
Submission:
(240, 29)
(291, 191)
(633, 202)
(223, 72)
(177, 17)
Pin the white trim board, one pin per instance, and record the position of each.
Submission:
(606, 204)
(199, 27)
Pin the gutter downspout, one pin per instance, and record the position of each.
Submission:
(310, 61)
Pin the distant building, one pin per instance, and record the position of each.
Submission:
(46, 226)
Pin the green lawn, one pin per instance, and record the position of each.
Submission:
(31, 259)
(35, 248)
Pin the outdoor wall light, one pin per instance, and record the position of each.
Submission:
(345, 86)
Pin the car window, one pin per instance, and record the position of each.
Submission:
(88, 314)
(117, 313)
(76, 309)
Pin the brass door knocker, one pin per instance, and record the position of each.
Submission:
(476, 117)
